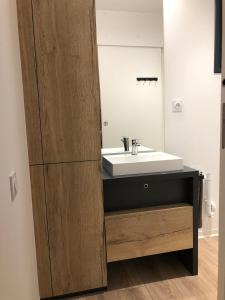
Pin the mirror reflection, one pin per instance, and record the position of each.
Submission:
(130, 53)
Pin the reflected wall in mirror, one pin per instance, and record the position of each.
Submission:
(130, 46)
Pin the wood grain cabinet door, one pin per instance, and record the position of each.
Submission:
(41, 230)
(67, 66)
(30, 85)
(75, 218)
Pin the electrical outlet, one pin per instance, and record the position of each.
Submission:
(177, 106)
(13, 185)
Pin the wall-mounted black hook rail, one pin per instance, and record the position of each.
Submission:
(147, 79)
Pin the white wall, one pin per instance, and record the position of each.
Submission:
(189, 57)
(18, 275)
(129, 29)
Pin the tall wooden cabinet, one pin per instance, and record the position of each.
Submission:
(41, 229)
(62, 105)
(75, 221)
(67, 69)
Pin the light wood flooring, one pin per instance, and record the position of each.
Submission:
(162, 278)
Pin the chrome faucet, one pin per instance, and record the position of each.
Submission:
(135, 145)
(125, 141)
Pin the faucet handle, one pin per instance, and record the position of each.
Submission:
(136, 142)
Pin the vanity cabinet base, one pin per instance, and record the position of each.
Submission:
(148, 231)
(147, 190)
(147, 214)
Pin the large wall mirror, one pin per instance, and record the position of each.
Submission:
(130, 53)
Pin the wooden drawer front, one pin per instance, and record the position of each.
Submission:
(131, 234)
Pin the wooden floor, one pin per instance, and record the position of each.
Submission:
(163, 278)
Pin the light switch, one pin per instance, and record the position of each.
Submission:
(13, 185)
(177, 106)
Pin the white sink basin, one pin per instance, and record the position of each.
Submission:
(126, 164)
(120, 150)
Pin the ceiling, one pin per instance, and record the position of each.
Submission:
(154, 6)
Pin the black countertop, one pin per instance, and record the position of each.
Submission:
(185, 172)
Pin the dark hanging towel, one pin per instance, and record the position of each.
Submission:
(200, 199)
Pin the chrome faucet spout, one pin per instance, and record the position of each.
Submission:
(126, 143)
(135, 145)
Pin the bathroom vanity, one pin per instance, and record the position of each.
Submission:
(144, 214)
(153, 213)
